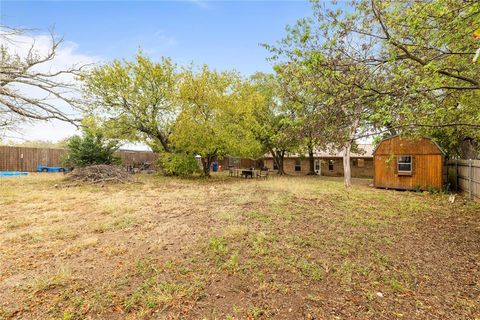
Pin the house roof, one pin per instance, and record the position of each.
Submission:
(365, 151)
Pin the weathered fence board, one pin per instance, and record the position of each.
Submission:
(464, 175)
(28, 159)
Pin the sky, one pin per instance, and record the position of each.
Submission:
(223, 34)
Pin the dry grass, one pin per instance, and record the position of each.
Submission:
(225, 248)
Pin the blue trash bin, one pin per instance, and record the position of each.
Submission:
(215, 167)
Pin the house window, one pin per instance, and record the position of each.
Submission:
(404, 164)
(330, 164)
(360, 163)
(275, 167)
(298, 165)
(233, 162)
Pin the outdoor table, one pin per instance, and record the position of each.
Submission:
(248, 173)
(242, 172)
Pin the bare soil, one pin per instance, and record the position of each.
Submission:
(229, 248)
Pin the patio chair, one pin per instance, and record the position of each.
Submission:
(263, 173)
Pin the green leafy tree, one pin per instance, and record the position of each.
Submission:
(212, 120)
(89, 149)
(270, 123)
(397, 67)
(329, 82)
(425, 51)
(429, 49)
(306, 104)
(135, 100)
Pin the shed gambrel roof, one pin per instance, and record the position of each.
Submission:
(408, 139)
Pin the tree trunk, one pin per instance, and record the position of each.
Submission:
(311, 162)
(206, 162)
(347, 173)
(281, 171)
(164, 142)
(156, 135)
(346, 165)
(278, 160)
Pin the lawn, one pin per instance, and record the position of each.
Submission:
(228, 248)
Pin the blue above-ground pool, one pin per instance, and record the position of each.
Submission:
(12, 173)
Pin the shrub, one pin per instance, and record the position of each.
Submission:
(179, 164)
(91, 149)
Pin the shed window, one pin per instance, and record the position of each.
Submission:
(330, 164)
(298, 165)
(404, 164)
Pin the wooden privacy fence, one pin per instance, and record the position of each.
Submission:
(28, 159)
(132, 157)
(464, 175)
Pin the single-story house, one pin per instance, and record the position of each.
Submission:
(328, 163)
(408, 164)
(236, 162)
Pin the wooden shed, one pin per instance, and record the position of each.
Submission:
(408, 164)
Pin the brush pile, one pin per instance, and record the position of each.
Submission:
(100, 173)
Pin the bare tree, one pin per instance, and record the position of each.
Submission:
(27, 92)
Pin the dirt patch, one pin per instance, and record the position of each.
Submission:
(285, 248)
